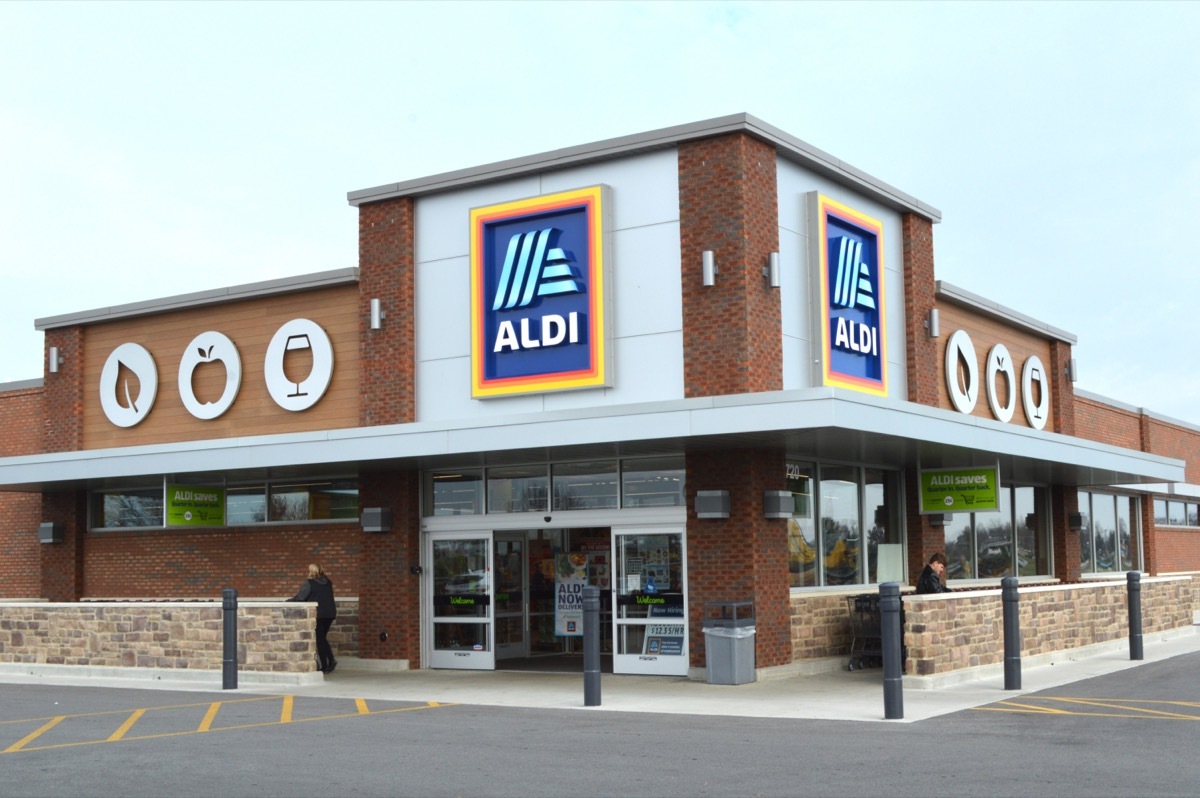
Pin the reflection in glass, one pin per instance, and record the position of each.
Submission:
(840, 539)
(128, 508)
(960, 547)
(585, 486)
(1104, 533)
(994, 538)
(881, 490)
(652, 482)
(517, 489)
(455, 493)
(801, 528)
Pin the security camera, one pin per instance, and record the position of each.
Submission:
(547, 519)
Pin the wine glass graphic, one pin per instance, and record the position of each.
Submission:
(296, 342)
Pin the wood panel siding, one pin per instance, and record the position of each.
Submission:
(250, 325)
(985, 333)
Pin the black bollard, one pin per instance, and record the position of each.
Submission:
(1133, 580)
(229, 622)
(1012, 633)
(891, 642)
(591, 646)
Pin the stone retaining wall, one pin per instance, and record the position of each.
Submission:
(272, 636)
(964, 629)
(951, 631)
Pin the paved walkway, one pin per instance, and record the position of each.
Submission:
(837, 695)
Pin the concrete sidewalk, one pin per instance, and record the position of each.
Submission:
(836, 695)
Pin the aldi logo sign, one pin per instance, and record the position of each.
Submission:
(850, 253)
(539, 310)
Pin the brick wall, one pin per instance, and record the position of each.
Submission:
(255, 561)
(743, 557)
(20, 434)
(923, 369)
(390, 594)
(728, 203)
(386, 264)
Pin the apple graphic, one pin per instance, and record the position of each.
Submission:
(207, 350)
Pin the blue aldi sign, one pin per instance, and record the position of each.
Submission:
(853, 306)
(539, 319)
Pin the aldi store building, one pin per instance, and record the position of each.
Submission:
(697, 365)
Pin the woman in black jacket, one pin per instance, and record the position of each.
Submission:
(319, 588)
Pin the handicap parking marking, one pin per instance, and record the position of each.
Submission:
(148, 723)
(1144, 709)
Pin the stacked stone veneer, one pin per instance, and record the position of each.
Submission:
(965, 629)
(272, 636)
(952, 631)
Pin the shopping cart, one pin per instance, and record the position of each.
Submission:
(866, 641)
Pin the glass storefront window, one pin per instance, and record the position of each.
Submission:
(454, 492)
(129, 507)
(1110, 540)
(960, 548)
(585, 486)
(885, 545)
(313, 501)
(517, 489)
(840, 530)
(246, 505)
(994, 538)
(537, 487)
(652, 482)
(859, 514)
(801, 527)
(1015, 539)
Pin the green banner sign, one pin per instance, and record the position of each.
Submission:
(192, 505)
(959, 490)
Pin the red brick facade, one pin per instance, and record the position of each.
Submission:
(732, 344)
(728, 203)
(21, 418)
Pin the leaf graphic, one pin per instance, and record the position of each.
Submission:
(201, 351)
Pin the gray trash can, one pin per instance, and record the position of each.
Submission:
(729, 642)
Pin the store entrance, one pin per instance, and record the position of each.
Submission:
(513, 599)
(539, 614)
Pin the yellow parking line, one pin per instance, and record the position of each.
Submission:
(285, 713)
(209, 717)
(1134, 710)
(127, 725)
(19, 744)
(121, 735)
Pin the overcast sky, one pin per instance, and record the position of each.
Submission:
(150, 149)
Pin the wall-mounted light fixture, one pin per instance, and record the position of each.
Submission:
(377, 314)
(1075, 521)
(933, 323)
(712, 504)
(778, 504)
(1072, 370)
(938, 519)
(708, 267)
(771, 270)
(54, 359)
(377, 519)
(50, 532)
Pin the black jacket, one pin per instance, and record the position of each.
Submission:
(930, 582)
(319, 590)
